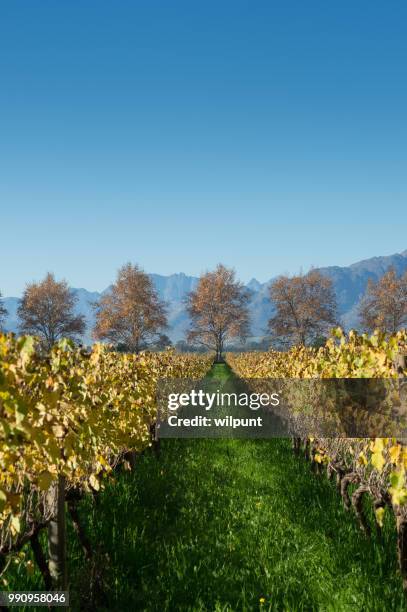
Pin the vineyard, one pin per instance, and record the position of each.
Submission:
(79, 458)
(376, 467)
(68, 419)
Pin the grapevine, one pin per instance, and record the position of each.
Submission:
(376, 467)
(70, 416)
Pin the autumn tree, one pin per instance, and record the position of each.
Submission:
(218, 310)
(384, 305)
(3, 313)
(163, 342)
(47, 310)
(305, 308)
(130, 313)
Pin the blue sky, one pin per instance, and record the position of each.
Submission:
(270, 136)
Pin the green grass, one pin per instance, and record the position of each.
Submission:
(219, 524)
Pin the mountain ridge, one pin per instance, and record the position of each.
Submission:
(349, 283)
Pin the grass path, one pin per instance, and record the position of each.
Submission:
(222, 524)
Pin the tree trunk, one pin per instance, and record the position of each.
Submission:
(351, 478)
(217, 356)
(296, 445)
(219, 350)
(357, 503)
(41, 560)
(57, 537)
(83, 538)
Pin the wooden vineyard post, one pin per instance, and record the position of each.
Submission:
(400, 363)
(296, 445)
(155, 439)
(57, 537)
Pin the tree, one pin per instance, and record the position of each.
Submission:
(3, 313)
(384, 305)
(131, 313)
(47, 310)
(305, 308)
(163, 342)
(218, 310)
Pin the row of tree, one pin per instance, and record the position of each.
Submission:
(132, 317)
(306, 307)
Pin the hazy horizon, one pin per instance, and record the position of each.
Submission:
(244, 280)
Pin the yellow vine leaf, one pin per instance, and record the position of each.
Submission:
(45, 480)
(398, 490)
(94, 482)
(15, 525)
(362, 458)
(394, 453)
(378, 460)
(379, 512)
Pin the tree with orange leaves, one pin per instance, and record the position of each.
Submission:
(305, 308)
(384, 305)
(218, 310)
(46, 310)
(130, 313)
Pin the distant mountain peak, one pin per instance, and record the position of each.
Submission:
(253, 284)
(349, 284)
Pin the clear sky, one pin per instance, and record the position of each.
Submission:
(271, 136)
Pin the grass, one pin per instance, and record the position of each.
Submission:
(223, 524)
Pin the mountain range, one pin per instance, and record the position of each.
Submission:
(349, 283)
